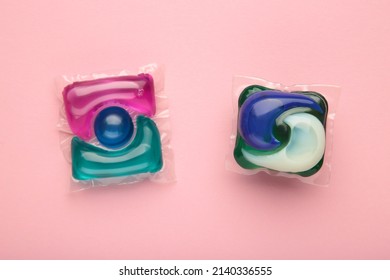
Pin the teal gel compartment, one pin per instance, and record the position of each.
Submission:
(142, 155)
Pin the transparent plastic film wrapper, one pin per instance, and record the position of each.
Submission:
(282, 130)
(115, 127)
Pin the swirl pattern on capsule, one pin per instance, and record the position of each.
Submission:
(281, 131)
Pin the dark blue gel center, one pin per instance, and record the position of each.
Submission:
(113, 127)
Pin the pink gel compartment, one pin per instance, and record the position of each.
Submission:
(83, 99)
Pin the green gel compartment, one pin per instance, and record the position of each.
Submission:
(142, 155)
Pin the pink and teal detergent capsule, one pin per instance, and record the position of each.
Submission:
(103, 108)
(281, 131)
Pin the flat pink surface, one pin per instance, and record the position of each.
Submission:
(209, 213)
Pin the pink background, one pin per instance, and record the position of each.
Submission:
(209, 213)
